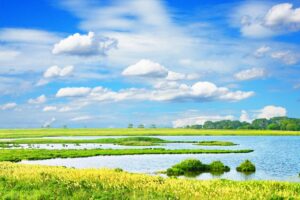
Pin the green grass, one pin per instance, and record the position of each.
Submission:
(215, 143)
(27, 133)
(128, 141)
(16, 155)
(19, 181)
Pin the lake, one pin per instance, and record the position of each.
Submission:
(275, 157)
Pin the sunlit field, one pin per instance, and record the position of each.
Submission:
(25, 133)
(19, 181)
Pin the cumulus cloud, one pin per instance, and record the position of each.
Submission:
(200, 120)
(200, 91)
(245, 116)
(84, 45)
(55, 71)
(283, 16)
(249, 74)
(49, 108)
(260, 19)
(271, 111)
(73, 92)
(146, 68)
(151, 69)
(39, 100)
(8, 106)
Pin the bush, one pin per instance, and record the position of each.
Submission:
(218, 166)
(246, 166)
(192, 167)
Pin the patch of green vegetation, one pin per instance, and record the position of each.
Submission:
(128, 141)
(4, 145)
(194, 167)
(16, 155)
(53, 132)
(216, 143)
(20, 181)
(247, 166)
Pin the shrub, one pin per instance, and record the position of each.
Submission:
(246, 166)
(192, 167)
(218, 166)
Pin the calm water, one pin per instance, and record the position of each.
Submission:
(275, 157)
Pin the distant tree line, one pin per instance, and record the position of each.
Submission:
(141, 126)
(275, 123)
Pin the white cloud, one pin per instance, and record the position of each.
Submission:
(55, 71)
(39, 100)
(271, 111)
(261, 19)
(8, 106)
(84, 45)
(283, 16)
(249, 74)
(261, 51)
(200, 120)
(49, 108)
(200, 91)
(286, 57)
(73, 92)
(151, 69)
(19, 35)
(146, 68)
(245, 116)
(8, 55)
(82, 118)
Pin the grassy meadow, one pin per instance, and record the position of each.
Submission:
(28, 133)
(20, 181)
(16, 155)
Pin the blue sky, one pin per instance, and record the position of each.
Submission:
(107, 63)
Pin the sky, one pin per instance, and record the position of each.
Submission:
(172, 63)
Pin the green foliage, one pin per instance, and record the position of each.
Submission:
(218, 166)
(275, 123)
(141, 126)
(194, 167)
(16, 155)
(246, 166)
(216, 143)
(130, 125)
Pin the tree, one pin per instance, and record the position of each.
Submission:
(260, 123)
(141, 126)
(273, 126)
(130, 125)
(153, 126)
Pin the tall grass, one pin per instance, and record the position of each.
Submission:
(19, 181)
(16, 155)
(27, 133)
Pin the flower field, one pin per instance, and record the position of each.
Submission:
(19, 181)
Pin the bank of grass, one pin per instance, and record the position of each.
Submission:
(27, 133)
(215, 143)
(127, 141)
(15, 155)
(19, 181)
